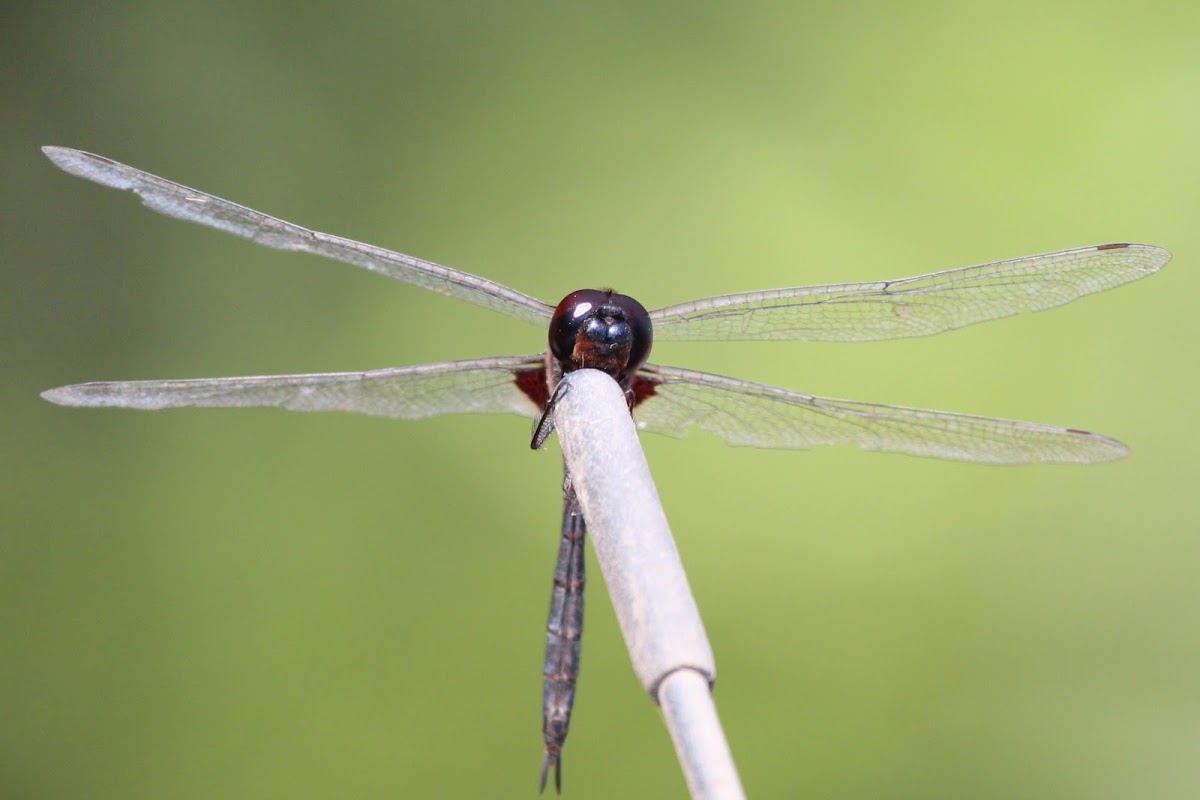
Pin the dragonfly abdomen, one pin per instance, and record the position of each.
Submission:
(564, 631)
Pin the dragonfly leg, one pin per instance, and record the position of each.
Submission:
(545, 425)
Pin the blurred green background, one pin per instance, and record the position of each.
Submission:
(250, 603)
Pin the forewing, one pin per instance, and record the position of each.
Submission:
(917, 306)
(751, 414)
(481, 386)
(176, 200)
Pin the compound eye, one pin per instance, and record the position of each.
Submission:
(637, 318)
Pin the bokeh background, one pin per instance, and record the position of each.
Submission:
(251, 603)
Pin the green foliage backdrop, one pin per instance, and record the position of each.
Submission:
(202, 604)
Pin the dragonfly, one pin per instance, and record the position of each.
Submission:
(601, 329)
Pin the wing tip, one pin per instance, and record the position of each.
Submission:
(1156, 256)
(67, 157)
(81, 395)
(86, 165)
(1103, 448)
(60, 396)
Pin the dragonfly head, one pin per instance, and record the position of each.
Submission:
(600, 329)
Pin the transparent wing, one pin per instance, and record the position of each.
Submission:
(918, 306)
(481, 386)
(670, 401)
(751, 414)
(175, 200)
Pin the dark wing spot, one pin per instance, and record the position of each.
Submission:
(532, 382)
(643, 388)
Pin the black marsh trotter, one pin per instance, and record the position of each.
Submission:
(611, 332)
